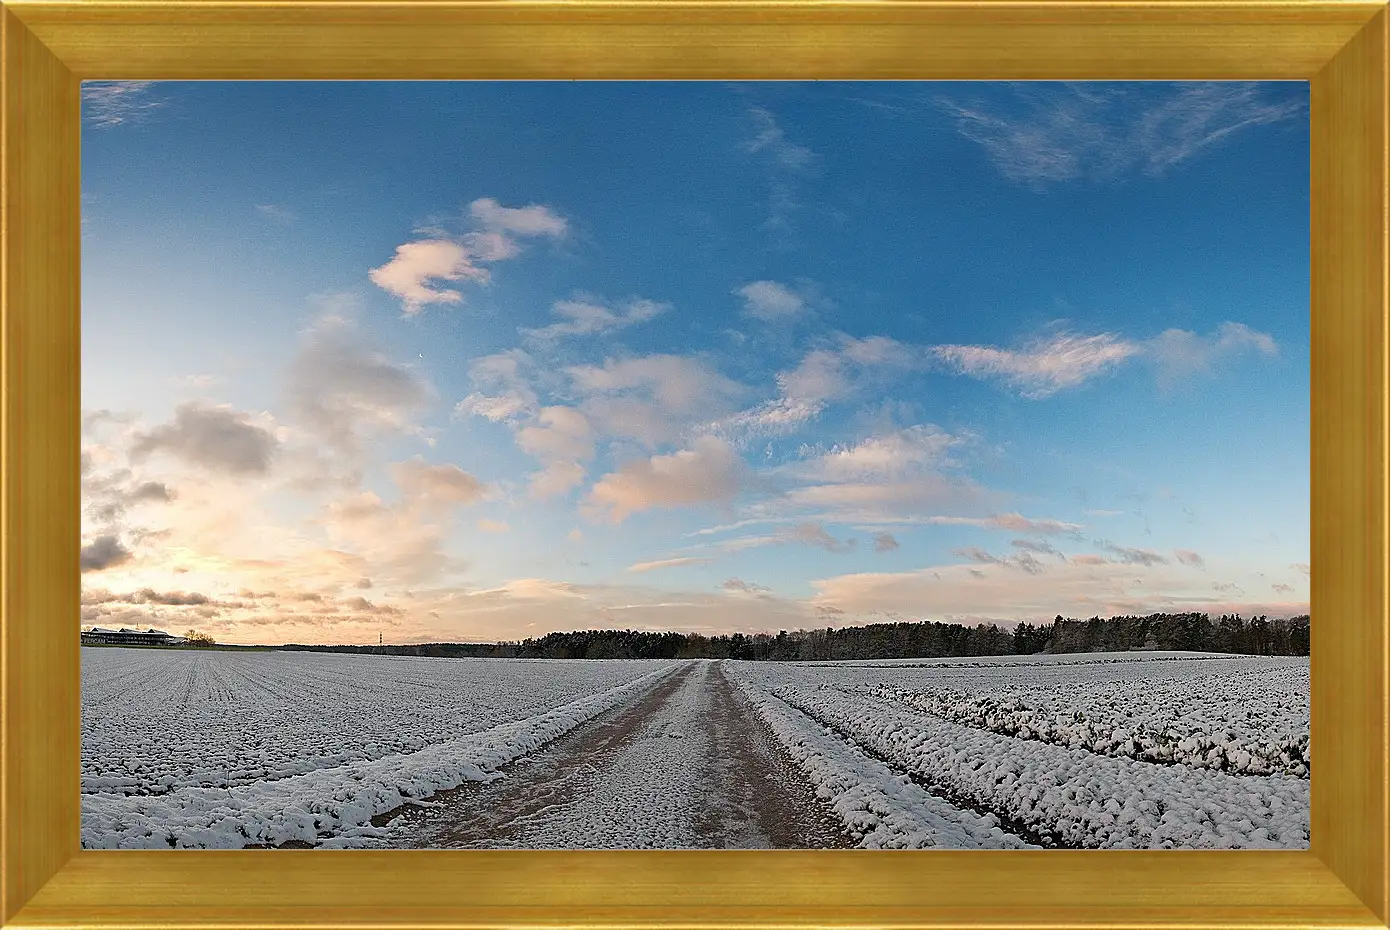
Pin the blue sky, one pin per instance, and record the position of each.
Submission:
(475, 361)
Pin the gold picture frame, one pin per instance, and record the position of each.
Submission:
(50, 46)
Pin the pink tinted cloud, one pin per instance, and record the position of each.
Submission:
(708, 472)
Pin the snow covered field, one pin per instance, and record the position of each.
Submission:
(1147, 750)
(1133, 750)
(224, 749)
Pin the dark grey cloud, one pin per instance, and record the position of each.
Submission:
(216, 438)
(1024, 561)
(885, 542)
(748, 587)
(1038, 546)
(1145, 557)
(103, 553)
(814, 534)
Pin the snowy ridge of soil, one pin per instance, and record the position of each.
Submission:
(881, 808)
(1074, 796)
(334, 802)
(156, 721)
(1036, 660)
(1254, 722)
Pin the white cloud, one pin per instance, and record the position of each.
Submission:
(654, 399)
(771, 301)
(822, 377)
(1044, 367)
(498, 407)
(888, 456)
(531, 220)
(678, 384)
(505, 373)
(586, 317)
(914, 499)
(1181, 355)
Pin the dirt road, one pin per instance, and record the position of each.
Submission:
(689, 765)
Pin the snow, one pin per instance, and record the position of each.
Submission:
(1250, 720)
(882, 808)
(340, 800)
(158, 721)
(1153, 750)
(938, 724)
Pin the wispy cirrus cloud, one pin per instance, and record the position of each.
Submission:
(588, 316)
(1104, 133)
(833, 372)
(771, 139)
(641, 567)
(276, 213)
(1046, 366)
(108, 104)
(788, 163)
(1043, 367)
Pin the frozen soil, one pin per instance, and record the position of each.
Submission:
(688, 765)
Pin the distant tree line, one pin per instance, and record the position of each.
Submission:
(902, 640)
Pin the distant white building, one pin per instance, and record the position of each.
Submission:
(126, 636)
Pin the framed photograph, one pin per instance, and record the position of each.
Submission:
(623, 536)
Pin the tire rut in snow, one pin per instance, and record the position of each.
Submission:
(687, 765)
(765, 799)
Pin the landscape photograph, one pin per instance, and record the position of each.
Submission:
(661, 465)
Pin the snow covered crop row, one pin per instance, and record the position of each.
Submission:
(1248, 721)
(1055, 794)
(336, 802)
(882, 808)
(155, 721)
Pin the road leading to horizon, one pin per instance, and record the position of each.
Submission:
(688, 765)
